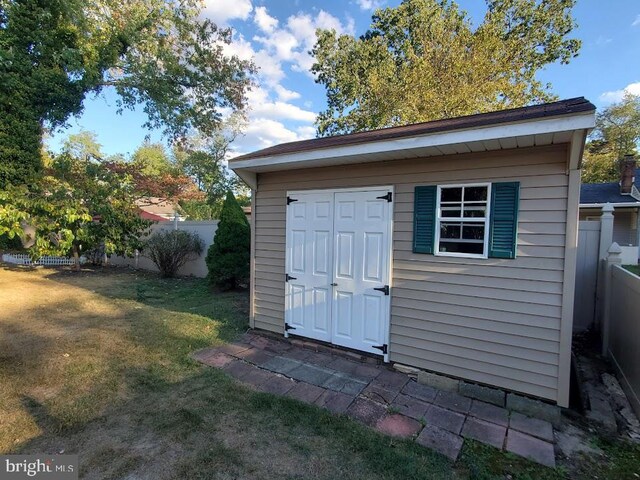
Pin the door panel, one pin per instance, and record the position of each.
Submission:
(308, 261)
(361, 230)
(338, 253)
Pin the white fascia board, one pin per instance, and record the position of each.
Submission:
(600, 205)
(332, 155)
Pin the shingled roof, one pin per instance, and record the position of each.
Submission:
(563, 107)
(600, 193)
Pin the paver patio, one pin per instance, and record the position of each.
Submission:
(379, 397)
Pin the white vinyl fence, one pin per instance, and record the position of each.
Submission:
(621, 324)
(206, 230)
(22, 259)
(584, 309)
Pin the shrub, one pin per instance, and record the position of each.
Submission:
(228, 256)
(170, 250)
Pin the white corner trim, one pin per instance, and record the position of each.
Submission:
(332, 155)
(576, 149)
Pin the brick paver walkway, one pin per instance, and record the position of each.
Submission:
(389, 401)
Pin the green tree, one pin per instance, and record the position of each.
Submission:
(616, 134)
(205, 160)
(198, 210)
(83, 145)
(157, 53)
(228, 257)
(77, 205)
(423, 60)
(152, 159)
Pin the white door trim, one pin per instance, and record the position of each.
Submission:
(333, 191)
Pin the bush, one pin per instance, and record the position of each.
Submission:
(228, 257)
(170, 250)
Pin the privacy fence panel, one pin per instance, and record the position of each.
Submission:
(197, 268)
(586, 275)
(624, 331)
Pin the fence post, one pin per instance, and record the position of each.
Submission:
(606, 239)
(613, 259)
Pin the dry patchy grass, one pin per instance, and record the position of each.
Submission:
(97, 363)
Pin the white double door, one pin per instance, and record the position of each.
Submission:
(337, 266)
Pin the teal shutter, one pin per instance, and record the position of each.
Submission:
(503, 229)
(424, 219)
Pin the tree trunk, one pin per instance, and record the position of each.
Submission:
(76, 258)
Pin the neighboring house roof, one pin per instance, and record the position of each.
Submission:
(152, 216)
(566, 122)
(601, 193)
(157, 207)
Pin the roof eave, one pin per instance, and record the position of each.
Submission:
(395, 148)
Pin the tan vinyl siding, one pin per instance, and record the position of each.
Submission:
(494, 321)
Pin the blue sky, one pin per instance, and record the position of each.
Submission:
(277, 34)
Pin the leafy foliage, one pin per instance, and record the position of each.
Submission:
(170, 250)
(76, 206)
(616, 134)
(152, 159)
(10, 244)
(197, 210)
(423, 60)
(203, 159)
(83, 145)
(158, 53)
(228, 256)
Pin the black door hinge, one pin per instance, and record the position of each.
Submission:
(382, 348)
(384, 289)
(288, 277)
(388, 197)
(288, 327)
(291, 200)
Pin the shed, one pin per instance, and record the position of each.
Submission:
(449, 246)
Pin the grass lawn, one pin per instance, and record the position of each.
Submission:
(97, 363)
(633, 269)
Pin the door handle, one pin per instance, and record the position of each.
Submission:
(384, 289)
(334, 284)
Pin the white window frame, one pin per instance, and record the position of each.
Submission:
(439, 219)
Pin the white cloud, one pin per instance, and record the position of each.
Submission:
(292, 42)
(283, 110)
(221, 11)
(239, 47)
(263, 107)
(276, 47)
(306, 132)
(636, 22)
(269, 68)
(262, 133)
(284, 94)
(617, 95)
(264, 21)
(281, 42)
(370, 4)
(602, 40)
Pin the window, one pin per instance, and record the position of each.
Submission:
(462, 221)
(474, 221)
